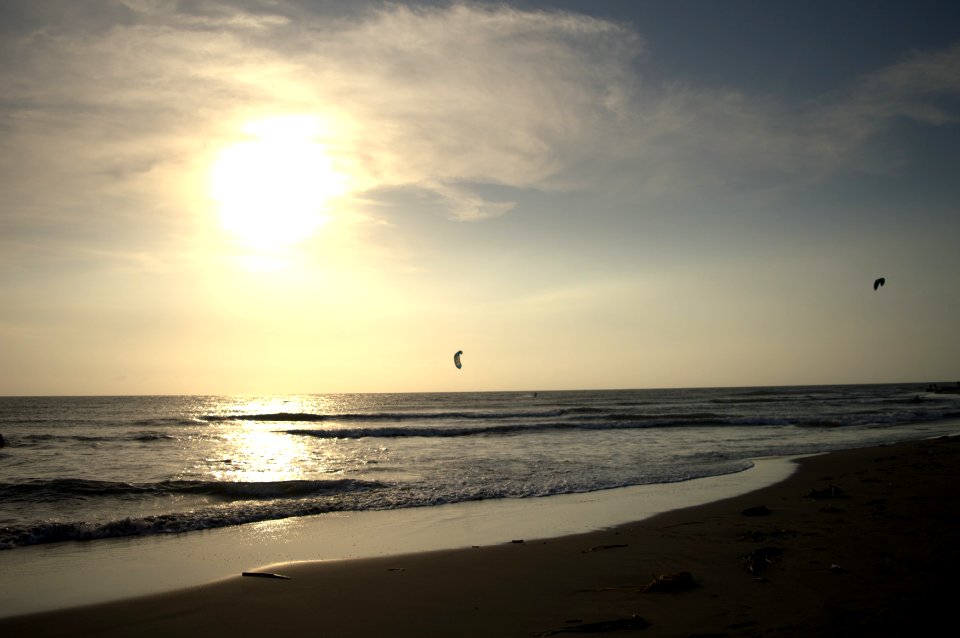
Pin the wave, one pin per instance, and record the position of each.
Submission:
(71, 488)
(145, 436)
(619, 422)
(151, 436)
(746, 400)
(405, 416)
(501, 429)
(166, 421)
(173, 523)
(64, 437)
(252, 511)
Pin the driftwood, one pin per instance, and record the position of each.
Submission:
(620, 624)
(671, 583)
(759, 559)
(830, 491)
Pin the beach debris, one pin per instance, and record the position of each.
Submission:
(600, 548)
(830, 491)
(758, 536)
(266, 575)
(396, 569)
(456, 359)
(661, 583)
(757, 510)
(877, 283)
(517, 541)
(759, 559)
(620, 624)
(670, 583)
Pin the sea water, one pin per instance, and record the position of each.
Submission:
(87, 468)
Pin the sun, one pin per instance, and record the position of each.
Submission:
(274, 187)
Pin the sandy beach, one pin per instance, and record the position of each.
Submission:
(860, 542)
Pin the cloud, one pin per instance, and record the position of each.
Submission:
(728, 141)
(913, 88)
(123, 103)
(433, 98)
(461, 94)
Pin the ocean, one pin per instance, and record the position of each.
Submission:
(89, 468)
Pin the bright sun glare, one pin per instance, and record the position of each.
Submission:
(274, 188)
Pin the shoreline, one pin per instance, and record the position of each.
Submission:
(857, 542)
(72, 574)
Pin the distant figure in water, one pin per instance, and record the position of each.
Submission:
(1, 440)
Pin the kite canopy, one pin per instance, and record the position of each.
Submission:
(456, 359)
(879, 282)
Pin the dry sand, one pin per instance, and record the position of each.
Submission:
(856, 543)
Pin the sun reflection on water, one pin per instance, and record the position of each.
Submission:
(258, 455)
(240, 449)
(248, 451)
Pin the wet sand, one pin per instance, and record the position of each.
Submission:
(860, 542)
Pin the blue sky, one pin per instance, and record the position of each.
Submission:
(261, 197)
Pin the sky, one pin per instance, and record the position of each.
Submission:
(283, 196)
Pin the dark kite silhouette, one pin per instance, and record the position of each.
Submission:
(879, 282)
(456, 358)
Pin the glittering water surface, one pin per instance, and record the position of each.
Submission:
(98, 467)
